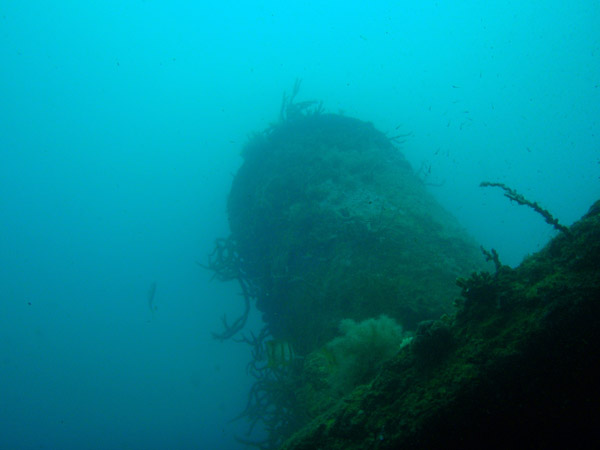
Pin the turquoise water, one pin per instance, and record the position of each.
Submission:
(121, 125)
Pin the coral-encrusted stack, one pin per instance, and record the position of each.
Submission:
(331, 223)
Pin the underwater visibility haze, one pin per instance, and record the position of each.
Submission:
(123, 126)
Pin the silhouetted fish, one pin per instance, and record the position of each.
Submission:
(279, 353)
(151, 294)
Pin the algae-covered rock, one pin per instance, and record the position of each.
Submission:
(515, 367)
(331, 223)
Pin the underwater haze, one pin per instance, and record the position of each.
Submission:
(121, 126)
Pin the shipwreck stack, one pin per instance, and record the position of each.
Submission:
(330, 222)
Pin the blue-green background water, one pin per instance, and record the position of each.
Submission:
(121, 124)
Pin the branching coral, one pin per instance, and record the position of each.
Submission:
(225, 262)
(272, 399)
(514, 195)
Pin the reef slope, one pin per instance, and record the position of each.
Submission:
(516, 365)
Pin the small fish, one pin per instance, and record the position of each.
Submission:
(151, 294)
(279, 353)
